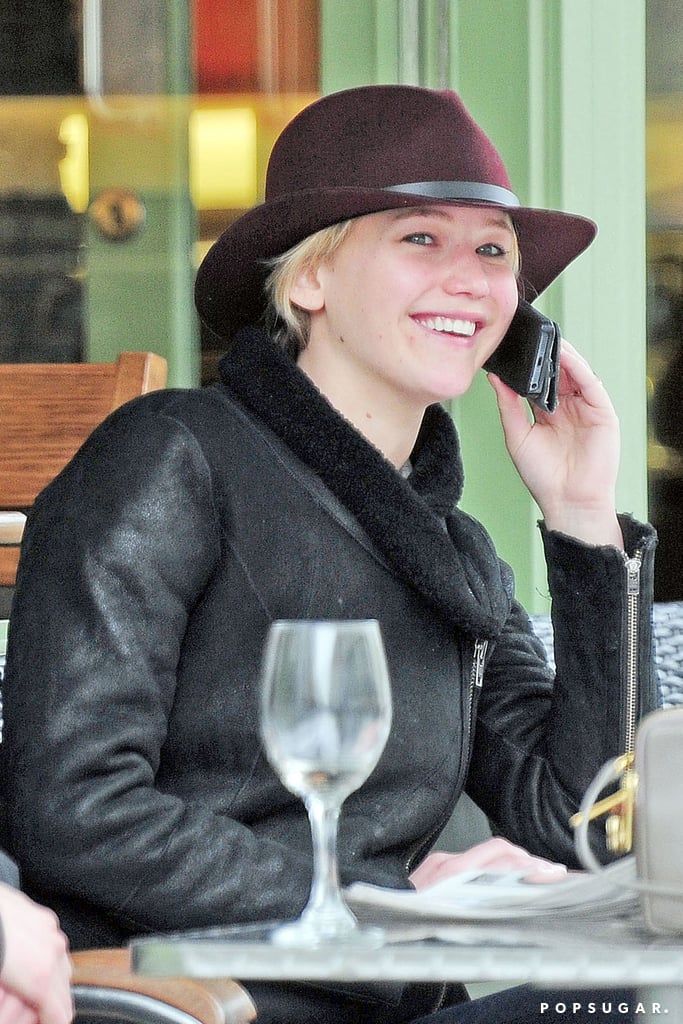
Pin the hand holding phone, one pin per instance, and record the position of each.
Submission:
(528, 357)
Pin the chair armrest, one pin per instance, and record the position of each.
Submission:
(11, 531)
(9, 562)
(11, 527)
(212, 1001)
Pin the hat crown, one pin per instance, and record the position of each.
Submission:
(391, 135)
(363, 151)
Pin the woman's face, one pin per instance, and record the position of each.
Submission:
(412, 303)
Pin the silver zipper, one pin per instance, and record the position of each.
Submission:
(477, 673)
(619, 824)
(632, 616)
(476, 679)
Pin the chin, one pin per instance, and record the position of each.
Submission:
(457, 390)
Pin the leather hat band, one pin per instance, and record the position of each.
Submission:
(468, 191)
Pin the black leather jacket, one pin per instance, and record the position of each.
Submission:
(139, 795)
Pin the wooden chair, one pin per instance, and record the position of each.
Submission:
(47, 410)
(103, 986)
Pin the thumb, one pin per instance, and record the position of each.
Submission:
(514, 413)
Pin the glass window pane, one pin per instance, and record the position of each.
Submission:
(665, 288)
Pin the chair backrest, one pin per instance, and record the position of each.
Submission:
(47, 410)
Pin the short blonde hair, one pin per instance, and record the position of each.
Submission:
(287, 323)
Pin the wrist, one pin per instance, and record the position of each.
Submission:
(595, 526)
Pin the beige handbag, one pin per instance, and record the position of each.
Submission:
(644, 814)
(658, 818)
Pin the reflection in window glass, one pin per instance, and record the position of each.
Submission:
(255, 65)
(665, 288)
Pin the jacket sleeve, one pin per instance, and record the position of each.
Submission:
(118, 550)
(541, 739)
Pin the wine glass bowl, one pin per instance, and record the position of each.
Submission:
(325, 719)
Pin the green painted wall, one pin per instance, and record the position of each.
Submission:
(560, 87)
(140, 291)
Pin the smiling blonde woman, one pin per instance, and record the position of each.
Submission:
(320, 478)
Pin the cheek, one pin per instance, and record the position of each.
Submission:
(508, 300)
(372, 290)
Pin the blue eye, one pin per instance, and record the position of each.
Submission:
(419, 238)
(491, 249)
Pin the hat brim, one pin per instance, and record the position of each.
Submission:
(229, 282)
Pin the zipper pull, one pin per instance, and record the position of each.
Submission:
(478, 661)
(632, 575)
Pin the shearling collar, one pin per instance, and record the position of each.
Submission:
(416, 525)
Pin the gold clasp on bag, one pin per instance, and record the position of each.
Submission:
(618, 807)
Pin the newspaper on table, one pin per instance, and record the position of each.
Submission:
(485, 895)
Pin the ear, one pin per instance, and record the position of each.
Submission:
(307, 291)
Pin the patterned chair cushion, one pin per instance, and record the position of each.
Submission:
(668, 637)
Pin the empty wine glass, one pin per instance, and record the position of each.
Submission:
(325, 718)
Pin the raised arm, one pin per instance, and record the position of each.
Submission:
(568, 460)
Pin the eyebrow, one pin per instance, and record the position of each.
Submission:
(501, 220)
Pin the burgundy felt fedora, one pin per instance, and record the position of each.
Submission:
(360, 151)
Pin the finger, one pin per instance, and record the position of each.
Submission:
(514, 413)
(578, 379)
(435, 866)
(495, 854)
(501, 855)
(57, 1006)
(440, 865)
(507, 397)
(546, 872)
(492, 853)
(14, 1010)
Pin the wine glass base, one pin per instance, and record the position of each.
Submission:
(307, 936)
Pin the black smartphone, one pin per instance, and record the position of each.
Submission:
(528, 357)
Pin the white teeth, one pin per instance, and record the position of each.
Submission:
(448, 326)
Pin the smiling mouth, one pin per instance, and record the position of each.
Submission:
(447, 325)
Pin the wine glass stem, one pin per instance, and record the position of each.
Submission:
(326, 905)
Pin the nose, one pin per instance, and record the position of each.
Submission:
(464, 274)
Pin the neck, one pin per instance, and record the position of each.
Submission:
(386, 421)
(453, 568)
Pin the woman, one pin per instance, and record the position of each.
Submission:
(320, 479)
